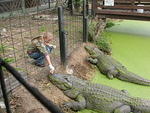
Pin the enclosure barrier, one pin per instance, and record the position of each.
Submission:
(62, 36)
(85, 21)
(34, 91)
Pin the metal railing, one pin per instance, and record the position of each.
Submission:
(123, 9)
(34, 91)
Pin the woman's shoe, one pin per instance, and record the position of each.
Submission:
(40, 65)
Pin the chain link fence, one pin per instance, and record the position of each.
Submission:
(22, 20)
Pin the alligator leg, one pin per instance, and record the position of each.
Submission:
(110, 75)
(72, 93)
(123, 109)
(77, 105)
(92, 59)
(112, 72)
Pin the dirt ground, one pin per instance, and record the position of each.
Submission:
(18, 35)
(23, 102)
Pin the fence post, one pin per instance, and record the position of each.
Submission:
(49, 4)
(85, 39)
(87, 7)
(85, 23)
(3, 87)
(62, 37)
(70, 6)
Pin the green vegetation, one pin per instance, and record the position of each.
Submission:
(77, 4)
(92, 30)
(109, 24)
(98, 37)
(42, 29)
(2, 48)
(103, 43)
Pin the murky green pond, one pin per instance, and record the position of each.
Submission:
(131, 46)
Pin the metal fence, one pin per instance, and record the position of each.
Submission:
(51, 107)
(22, 20)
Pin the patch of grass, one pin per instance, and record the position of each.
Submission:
(42, 29)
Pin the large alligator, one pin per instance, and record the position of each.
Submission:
(112, 68)
(98, 97)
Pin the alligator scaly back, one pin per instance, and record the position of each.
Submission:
(97, 96)
(112, 68)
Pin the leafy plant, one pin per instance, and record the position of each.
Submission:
(109, 24)
(8, 60)
(97, 36)
(42, 29)
(92, 30)
(2, 47)
(77, 4)
(104, 44)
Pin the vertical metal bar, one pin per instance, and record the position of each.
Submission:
(94, 7)
(62, 38)
(49, 4)
(84, 8)
(4, 91)
(70, 6)
(87, 7)
(85, 39)
(84, 22)
(37, 3)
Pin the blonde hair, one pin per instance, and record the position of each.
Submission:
(48, 35)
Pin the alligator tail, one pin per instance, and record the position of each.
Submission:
(132, 77)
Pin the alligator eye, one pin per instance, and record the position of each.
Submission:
(67, 79)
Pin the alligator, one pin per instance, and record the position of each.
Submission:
(98, 97)
(112, 68)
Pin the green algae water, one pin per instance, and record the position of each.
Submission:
(130, 46)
